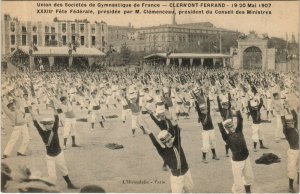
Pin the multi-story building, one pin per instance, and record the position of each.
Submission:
(166, 38)
(56, 33)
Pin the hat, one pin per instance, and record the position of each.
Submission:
(165, 89)
(228, 123)
(196, 90)
(164, 136)
(47, 121)
(254, 103)
(289, 118)
(224, 99)
(132, 95)
(160, 109)
(202, 106)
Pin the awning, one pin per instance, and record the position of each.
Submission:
(62, 51)
(189, 55)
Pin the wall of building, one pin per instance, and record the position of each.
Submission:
(163, 38)
(52, 33)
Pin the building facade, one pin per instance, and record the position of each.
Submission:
(166, 38)
(56, 33)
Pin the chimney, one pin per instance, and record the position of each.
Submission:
(174, 17)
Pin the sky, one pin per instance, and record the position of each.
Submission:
(284, 18)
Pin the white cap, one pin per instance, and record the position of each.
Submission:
(165, 89)
(47, 119)
(201, 106)
(253, 103)
(132, 95)
(289, 118)
(224, 99)
(164, 136)
(160, 109)
(227, 123)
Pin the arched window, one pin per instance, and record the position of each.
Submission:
(12, 27)
(24, 29)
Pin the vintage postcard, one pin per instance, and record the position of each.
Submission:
(150, 96)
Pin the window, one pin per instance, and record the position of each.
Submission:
(12, 40)
(64, 40)
(102, 28)
(52, 37)
(34, 39)
(24, 29)
(93, 30)
(103, 41)
(93, 40)
(47, 29)
(24, 37)
(12, 27)
(73, 39)
(81, 28)
(63, 27)
(73, 28)
(47, 39)
(82, 40)
(34, 29)
(52, 29)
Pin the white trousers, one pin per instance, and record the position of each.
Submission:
(179, 108)
(135, 122)
(17, 131)
(180, 184)
(96, 116)
(242, 175)
(208, 139)
(292, 163)
(269, 104)
(256, 133)
(72, 98)
(60, 162)
(279, 128)
(69, 127)
(124, 114)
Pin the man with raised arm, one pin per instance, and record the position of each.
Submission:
(241, 165)
(55, 156)
(172, 154)
(16, 115)
(208, 133)
(291, 132)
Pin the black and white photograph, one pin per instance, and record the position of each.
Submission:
(150, 96)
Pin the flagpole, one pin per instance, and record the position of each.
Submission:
(220, 41)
